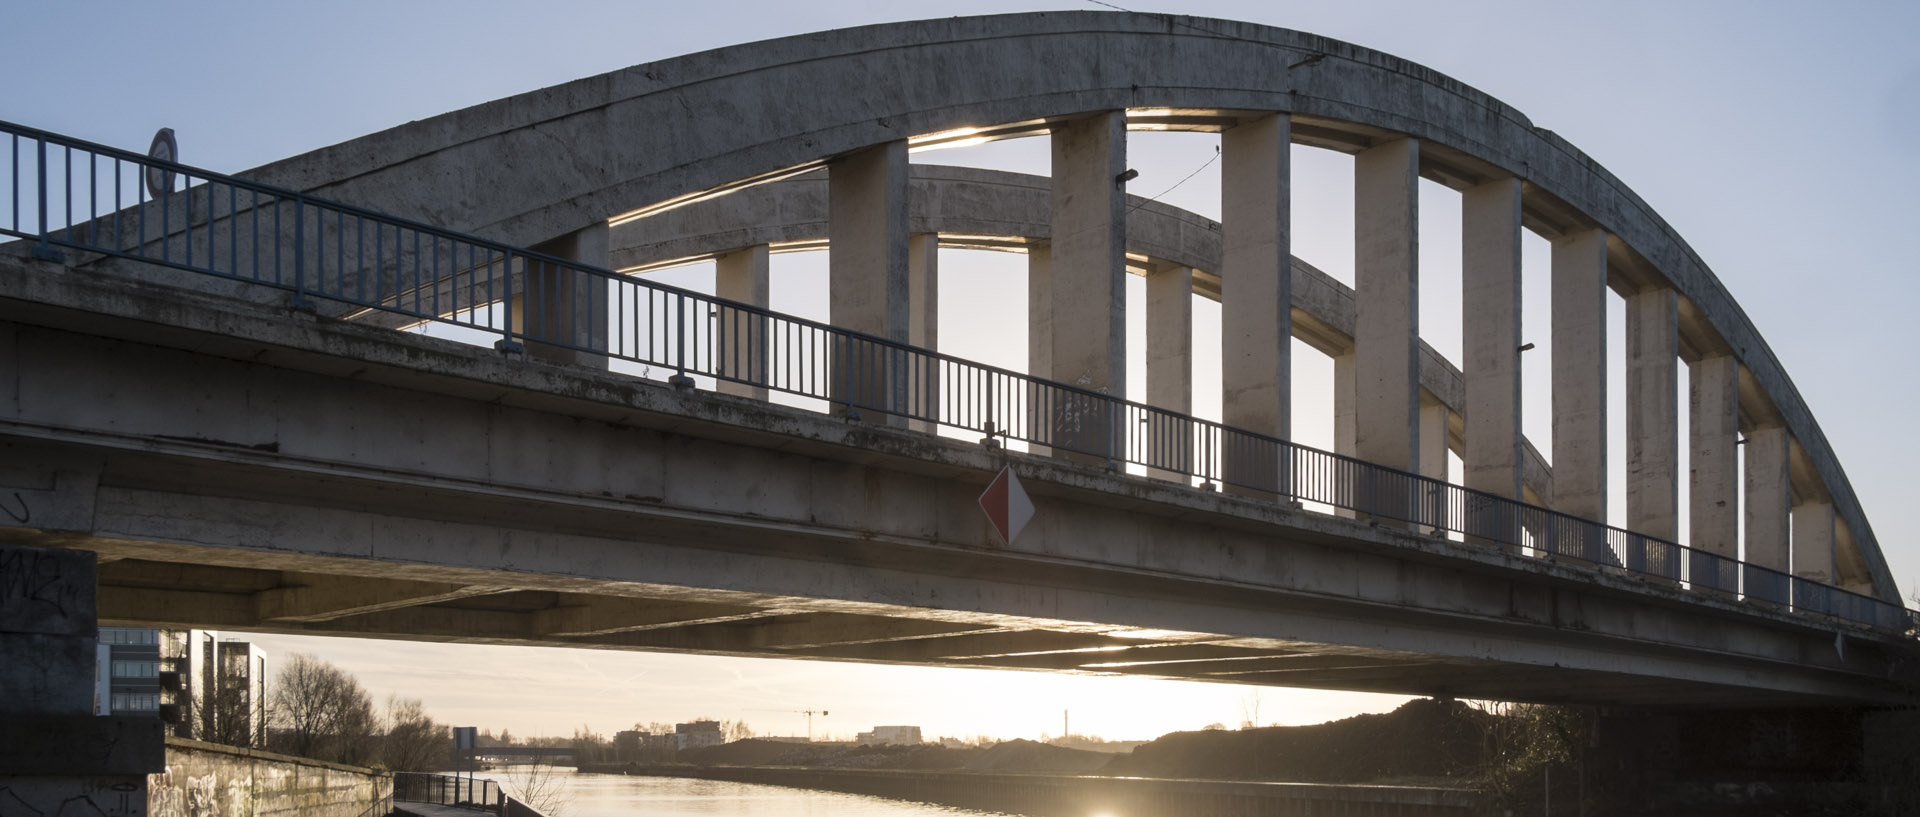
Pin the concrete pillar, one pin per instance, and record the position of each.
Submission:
(1579, 313)
(1039, 338)
(1813, 558)
(1088, 269)
(1256, 299)
(1493, 453)
(867, 288)
(923, 329)
(1769, 498)
(557, 305)
(1653, 428)
(744, 344)
(1345, 425)
(1386, 333)
(1170, 370)
(1713, 500)
(1434, 422)
(1490, 301)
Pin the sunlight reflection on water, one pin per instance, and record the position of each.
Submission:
(602, 795)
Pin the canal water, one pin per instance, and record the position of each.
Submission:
(607, 795)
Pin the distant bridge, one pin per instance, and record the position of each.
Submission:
(205, 389)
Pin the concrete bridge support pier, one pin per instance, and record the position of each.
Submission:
(744, 276)
(923, 327)
(1653, 429)
(559, 306)
(1769, 500)
(867, 276)
(1256, 300)
(1170, 370)
(1088, 259)
(1386, 334)
(1580, 391)
(1490, 298)
(1713, 498)
(56, 756)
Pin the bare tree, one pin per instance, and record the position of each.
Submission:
(1250, 709)
(538, 785)
(414, 742)
(731, 731)
(229, 718)
(321, 712)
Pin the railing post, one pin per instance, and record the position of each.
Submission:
(300, 300)
(680, 377)
(43, 250)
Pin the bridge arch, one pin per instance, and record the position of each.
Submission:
(632, 141)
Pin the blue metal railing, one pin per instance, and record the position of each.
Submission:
(342, 259)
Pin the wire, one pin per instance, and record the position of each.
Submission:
(1155, 198)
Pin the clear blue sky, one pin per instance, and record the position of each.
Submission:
(1775, 137)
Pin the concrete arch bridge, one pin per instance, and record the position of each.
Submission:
(205, 389)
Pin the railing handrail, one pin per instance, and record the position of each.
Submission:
(1408, 496)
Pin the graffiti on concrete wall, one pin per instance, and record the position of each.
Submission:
(73, 797)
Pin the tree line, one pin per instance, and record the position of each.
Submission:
(317, 710)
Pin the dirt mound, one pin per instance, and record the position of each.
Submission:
(1028, 756)
(752, 752)
(1424, 739)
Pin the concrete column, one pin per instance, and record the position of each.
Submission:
(923, 328)
(1256, 299)
(1713, 500)
(744, 276)
(1345, 425)
(1386, 333)
(1490, 301)
(557, 305)
(1813, 538)
(1039, 337)
(1434, 422)
(1769, 498)
(1170, 370)
(1653, 428)
(1493, 454)
(1580, 390)
(867, 287)
(1088, 267)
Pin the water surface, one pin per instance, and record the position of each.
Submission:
(608, 795)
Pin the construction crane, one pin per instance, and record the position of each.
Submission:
(807, 712)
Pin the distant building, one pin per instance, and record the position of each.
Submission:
(697, 734)
(889, 736)
(201, 687)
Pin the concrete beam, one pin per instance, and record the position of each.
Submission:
(1386, 282)
(1088, 259)
(1256, 298)
(745, 345)
(867, 271)
(325, 598)
(1490, 348)
(1580, 374)
(579, 615)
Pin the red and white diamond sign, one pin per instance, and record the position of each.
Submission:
(1007, 505)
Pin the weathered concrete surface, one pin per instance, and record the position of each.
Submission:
(270, 448)
(681, 121)
(969, 208)
(56, 756)
(210, 780)
(1256, 291)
